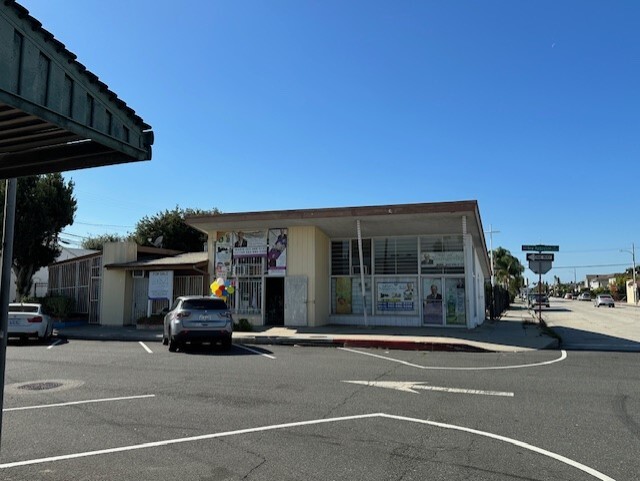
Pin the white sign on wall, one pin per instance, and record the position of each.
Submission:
(161, 285)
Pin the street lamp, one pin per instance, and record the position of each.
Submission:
(633, 257)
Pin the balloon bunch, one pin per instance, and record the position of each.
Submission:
(222, 289)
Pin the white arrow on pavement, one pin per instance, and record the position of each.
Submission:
(410, 386)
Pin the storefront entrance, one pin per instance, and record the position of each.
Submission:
(274, 301)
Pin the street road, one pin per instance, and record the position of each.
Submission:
(83, 410)
(584, 326)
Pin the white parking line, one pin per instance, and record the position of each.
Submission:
(59, 341)
(146, 348)
(74, 403)
(515, 442)
(254, 351)
(562, 357)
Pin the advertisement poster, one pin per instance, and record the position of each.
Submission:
(432, 306)
(161, 285)
(456, 312)
(222, 257)
(343, 295)
(250, 244)
(442, 259)
(396, 296)
(277, 252)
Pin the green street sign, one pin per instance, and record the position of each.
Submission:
(541, 248)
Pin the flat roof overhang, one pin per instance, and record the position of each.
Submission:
(55, 115)
(439, 218)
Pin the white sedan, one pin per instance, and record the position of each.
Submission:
(28, 320)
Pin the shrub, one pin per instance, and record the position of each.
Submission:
(58, 307)
(243, 325)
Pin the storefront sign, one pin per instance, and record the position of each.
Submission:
(443, 259)
(277, 253)
(250, 251)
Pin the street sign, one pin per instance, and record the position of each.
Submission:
(540, 267)
(540, 248)
(539, 257)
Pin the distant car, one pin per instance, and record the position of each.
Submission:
(28, 320)
(197, 319)
(536, 300)
(585, 296)
(568, 296)
(604, 300)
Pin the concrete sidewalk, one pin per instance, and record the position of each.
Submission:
(514, 332)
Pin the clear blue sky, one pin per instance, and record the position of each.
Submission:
(531, 108)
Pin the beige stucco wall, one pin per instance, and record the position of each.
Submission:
(115, 301)
(307, 255)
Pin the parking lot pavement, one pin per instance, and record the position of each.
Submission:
(513, 332)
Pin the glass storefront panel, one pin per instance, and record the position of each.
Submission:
(396, 296)
(455, 302)
(346, 295)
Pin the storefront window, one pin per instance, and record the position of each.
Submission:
(441, 255)
(396, 296)
(432, 311)
(396, 255)
(340, 258)
(455, 304)
(346, 295)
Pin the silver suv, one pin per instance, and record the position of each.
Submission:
(197, 319)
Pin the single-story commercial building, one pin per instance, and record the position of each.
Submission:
(392, 265)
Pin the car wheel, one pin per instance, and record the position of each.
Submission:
(165, 339)
(173, 345)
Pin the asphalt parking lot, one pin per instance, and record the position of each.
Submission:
(89, 410)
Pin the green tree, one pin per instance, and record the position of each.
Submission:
(44, 206)
(97, 242)
(508, 271)
(170, 230)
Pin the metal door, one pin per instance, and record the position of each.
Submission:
(295, 301)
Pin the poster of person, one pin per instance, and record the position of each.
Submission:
(222, 255)
(277, 252)
(432, 304)
(250, 244)
(395, 296)
(343, 295)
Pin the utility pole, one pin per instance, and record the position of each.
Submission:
(493, 281)
(633, 259)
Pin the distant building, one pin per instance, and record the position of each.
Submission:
(599, 281)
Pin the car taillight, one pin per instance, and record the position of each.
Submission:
(183, 314)
(35, 319)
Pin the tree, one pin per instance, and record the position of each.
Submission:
(168, 229)
(44, 206)
(97, 243)
(508, 271)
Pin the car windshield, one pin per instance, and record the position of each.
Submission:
(204, 304)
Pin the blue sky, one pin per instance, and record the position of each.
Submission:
(530, 108)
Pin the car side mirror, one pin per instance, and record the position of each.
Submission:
(164, 311)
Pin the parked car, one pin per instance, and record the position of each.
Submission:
(585, 296)
(604, 300)
(568, 295)
(197, 319)
(28, 320)
(536, 300)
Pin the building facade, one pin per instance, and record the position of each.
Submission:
(395, 265)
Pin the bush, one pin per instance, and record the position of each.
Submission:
(152, 320)
(243, 325)
(58, 307)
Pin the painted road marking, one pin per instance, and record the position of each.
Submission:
(254, 351)
(562, 357)
(515, 442)
(146, 348)
(75, 403)
(59, 341)
(412, 386)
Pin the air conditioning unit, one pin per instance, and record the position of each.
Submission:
(137, 274)
(355, 270)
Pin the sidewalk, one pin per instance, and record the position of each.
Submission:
(513, 332)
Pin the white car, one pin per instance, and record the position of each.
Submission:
(28, 320)
(604, 300)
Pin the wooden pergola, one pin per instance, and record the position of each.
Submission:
(55, 116)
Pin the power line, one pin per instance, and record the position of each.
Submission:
(590, 266)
